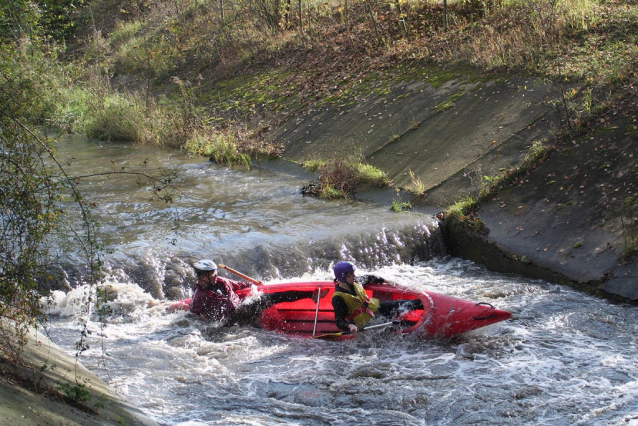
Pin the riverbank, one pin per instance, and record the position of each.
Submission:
(43, 386)
(568, 218)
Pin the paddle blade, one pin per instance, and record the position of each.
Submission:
(330, 336)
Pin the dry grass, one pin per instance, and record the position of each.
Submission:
(334, 47)
(285, 64)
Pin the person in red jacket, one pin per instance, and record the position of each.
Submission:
(215, 297)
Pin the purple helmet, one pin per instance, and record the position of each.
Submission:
(341, 269)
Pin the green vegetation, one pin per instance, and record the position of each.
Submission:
(537, 153)
(417, 186)
(448, 103)
(236, 61)
(464, 212)
(76, 392)
(195, 71)
(39, 19)
(314, 165)
(45, 215)
(30, 194)
(399, 206)
(220, 147)
(342, 177)
(370, 176)
(329, 192)
(462, 208)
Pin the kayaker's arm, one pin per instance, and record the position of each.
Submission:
(364, 280)
(236, 285)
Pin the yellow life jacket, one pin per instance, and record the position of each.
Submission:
(361, 308)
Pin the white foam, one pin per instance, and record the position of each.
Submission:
(554, 363)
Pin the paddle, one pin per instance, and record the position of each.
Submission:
(247, 278)
(343, 333)
(314, 329)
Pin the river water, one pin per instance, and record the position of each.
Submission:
(565, 358)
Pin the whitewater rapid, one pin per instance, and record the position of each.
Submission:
(565, 358)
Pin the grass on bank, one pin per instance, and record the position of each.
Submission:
(465, 210)
(236, 62)
(362, 51)
(537, 153)
(100, 112)
(553, 38)
(398, 205)
(417, 186)
(222, 148)
(593, 42)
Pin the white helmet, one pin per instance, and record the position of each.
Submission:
(205, 265)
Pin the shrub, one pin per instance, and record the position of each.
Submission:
(76, 392)
(313, 165)
(329, 192)
(418, 186)
(341, 177)
(368, 175)
(537, 153)
(399, 206)
(220, 147)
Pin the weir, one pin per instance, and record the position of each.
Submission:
(255, 221)
(169, 275)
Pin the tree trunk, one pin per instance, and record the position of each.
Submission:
(403, 25)
(287, 14)
(445, 13)
(300, 19)
(346, 16)
(374, 22)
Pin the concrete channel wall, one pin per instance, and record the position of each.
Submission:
(566, 220)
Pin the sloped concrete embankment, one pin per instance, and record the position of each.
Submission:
(31, 395)
(564, 223)
(573, 215)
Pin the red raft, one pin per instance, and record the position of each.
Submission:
(441, 317)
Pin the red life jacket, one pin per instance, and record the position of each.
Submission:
(218, 303)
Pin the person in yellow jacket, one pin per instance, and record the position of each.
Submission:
(354, 308)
